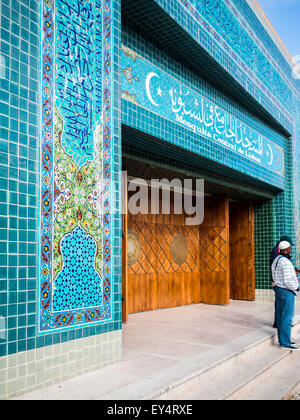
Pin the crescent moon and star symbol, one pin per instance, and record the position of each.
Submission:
(148, 83)
(270, 154)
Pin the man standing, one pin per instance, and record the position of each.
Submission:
(274, 253)
(287, 286)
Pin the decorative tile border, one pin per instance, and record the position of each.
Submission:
(75, 272)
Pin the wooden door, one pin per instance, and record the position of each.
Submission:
(125, 252)
(242, 257)
(214, 251)
(178, 261)
(158, 277)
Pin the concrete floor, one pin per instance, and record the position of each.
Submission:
(168, 346)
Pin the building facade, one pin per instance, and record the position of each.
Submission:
(159, 89)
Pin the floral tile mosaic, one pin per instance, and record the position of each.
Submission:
(75, 185)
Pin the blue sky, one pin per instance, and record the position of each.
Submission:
(285, 17)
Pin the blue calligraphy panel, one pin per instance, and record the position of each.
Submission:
(150, 87)
(75, 270)
(78, 70)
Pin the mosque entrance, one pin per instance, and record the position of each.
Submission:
(167, 263)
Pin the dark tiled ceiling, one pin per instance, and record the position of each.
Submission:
(140, 160)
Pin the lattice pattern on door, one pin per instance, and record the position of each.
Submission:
(147, 262)
(206, 248)
(165, 261)
(213, 249)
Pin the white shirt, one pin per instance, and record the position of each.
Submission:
(284, 274)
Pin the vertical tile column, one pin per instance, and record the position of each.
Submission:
(19, 62)
(28, 359)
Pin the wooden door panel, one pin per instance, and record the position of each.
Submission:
(142, 275)
(196, 287)
(125, 290)
(242, 252)
(214, 252)
(178, 289)
(177, 283)
(169, 290)
(124, 251)
(192, 288)
(157, 280)
(214, 287)
(142, 294)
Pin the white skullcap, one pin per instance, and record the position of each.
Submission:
(284, 245)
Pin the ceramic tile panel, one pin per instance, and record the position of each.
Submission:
(76, 157)
(232, 27)
(143, 59)
(62, 71)
(34, 191)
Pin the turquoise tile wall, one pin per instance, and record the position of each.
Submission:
(19, 115)
(19, 119)
(214, 23)
(223, 28)
(297, 169)
(154, 125)
(273, 218)
(18, 172)
(264, 239)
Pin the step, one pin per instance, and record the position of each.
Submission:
(222, 382)
(244, 373)
(294, 393)
(200, 379)
(224, 379)
(275, 384)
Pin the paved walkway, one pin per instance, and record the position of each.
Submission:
(167, 346)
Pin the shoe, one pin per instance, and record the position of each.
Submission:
(291, 347)
(275, 326)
